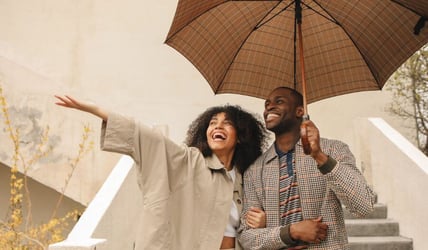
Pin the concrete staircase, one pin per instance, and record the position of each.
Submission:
(375, 232)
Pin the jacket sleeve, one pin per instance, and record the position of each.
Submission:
(347, 182)
(260, 238)
(162, 165)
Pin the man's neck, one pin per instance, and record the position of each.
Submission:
(285, 142)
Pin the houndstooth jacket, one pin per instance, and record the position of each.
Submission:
(320, 195)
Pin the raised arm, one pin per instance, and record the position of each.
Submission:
(70, 102)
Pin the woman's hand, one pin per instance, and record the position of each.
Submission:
(255, 218)
(69, 102)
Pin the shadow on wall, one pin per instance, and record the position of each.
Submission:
(43, 199)
(27, 121)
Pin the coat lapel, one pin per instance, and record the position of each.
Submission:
(270, 180)
(310, 188)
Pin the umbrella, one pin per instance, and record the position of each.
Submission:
(250, 47)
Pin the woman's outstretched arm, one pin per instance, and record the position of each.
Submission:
(70, 102)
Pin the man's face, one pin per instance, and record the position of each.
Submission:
(281, 113)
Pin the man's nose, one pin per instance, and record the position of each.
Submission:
(269, 106)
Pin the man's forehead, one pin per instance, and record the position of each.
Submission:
(280, 93)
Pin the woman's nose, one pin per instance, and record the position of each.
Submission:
(219, 125)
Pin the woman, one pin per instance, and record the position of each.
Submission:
(191, 193)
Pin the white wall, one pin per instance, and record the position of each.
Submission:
(399, 174)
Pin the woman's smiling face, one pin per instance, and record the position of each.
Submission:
(221, 134)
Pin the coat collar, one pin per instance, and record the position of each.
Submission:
(270, 154)
(213, 162)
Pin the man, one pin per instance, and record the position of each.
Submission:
(302, 195)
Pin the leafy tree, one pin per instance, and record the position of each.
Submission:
(409, 86)
(17, 230)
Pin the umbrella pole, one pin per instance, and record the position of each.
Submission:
(305, 142)
(302, 67)
(301, 57)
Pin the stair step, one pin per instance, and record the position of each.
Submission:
(372, 227)
(384, 243)
(380, 212)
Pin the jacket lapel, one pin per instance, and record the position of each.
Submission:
(270, 180)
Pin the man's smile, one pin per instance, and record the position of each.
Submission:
(271, 116)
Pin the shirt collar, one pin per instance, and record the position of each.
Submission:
(273, 152)
(281, 153)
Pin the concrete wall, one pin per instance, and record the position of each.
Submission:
(112, 53)
(398, 172)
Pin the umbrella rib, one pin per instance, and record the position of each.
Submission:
(259, 24)
(350, 38)
(408, 8)
(420, 24)
(330, 18)
(295, 37)
(279, 12)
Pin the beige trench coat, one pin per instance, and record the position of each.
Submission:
(186, 197)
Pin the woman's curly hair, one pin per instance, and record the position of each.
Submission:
(250, 131)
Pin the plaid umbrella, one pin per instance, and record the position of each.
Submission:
(250, 47)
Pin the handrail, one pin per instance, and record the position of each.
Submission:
(82, 233)
(402, 143)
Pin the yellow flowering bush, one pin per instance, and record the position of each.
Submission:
(17, 232)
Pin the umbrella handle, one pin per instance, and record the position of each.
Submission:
(304, 136)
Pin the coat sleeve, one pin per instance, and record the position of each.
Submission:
(260, 238)
(347, 182)
(162, 165)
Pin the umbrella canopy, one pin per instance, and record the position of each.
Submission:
(251, 47)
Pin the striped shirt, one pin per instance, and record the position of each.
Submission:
(289, 197)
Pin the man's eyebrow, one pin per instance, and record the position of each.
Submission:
(280, 96)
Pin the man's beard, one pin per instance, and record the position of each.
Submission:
(285, 126)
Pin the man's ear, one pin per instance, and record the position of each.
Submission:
(300, 111)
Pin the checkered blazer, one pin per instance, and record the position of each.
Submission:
(320, 195)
